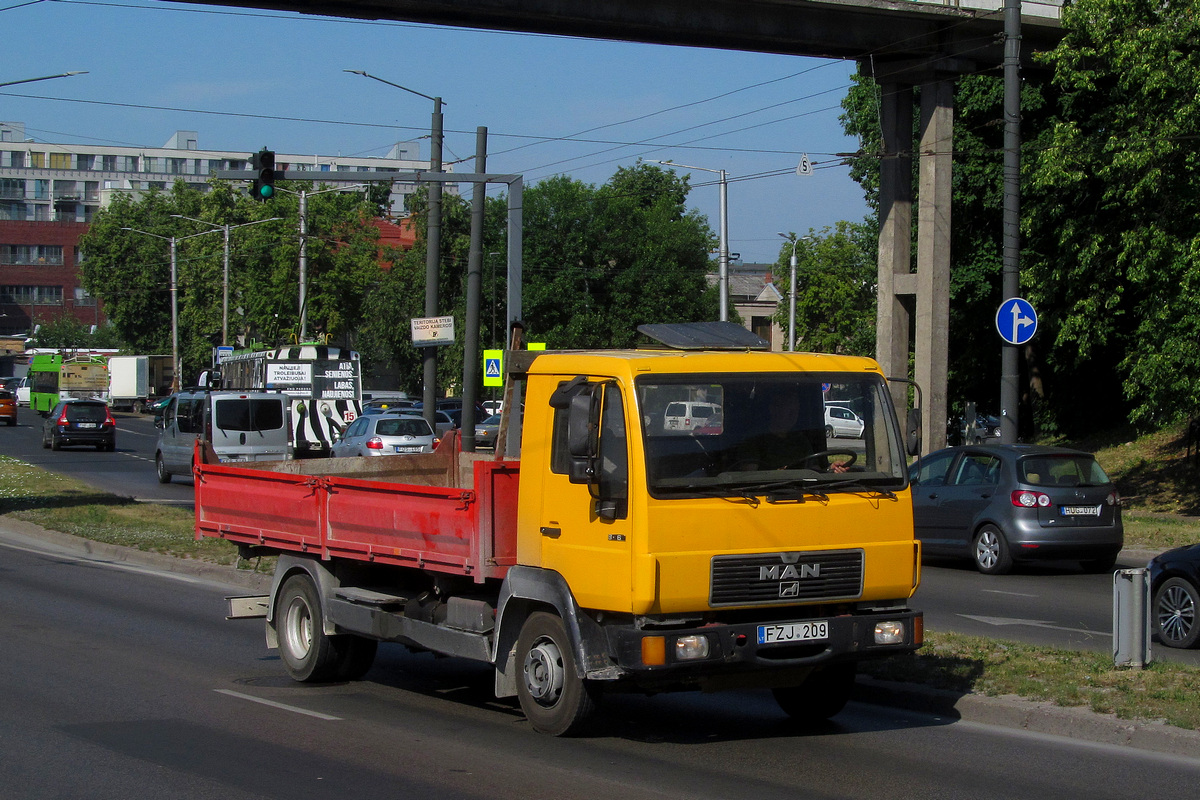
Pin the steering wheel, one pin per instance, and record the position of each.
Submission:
(822, 454)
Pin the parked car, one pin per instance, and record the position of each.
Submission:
(8, 406)
(487, 432)
(76, 421)
(384, 406)
(442, 420)
(1175, 587)
(384, 434)
(841, 421)
(1001, 504)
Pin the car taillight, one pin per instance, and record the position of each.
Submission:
(109, 422)
(62, 419)
(1113, 499)
(374, 443)
(1026, 498)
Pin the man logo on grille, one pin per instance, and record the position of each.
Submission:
(791, 589)
(789, 571)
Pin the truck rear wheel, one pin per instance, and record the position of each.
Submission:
(821, 696)
(555, 699)
(307, 652)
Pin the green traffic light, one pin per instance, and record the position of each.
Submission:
(266, 192)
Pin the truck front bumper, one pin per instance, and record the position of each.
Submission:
(749, 654)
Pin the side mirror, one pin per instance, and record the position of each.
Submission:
(158, 421)
(912, 432)
(583, 426)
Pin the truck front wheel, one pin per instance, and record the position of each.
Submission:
(555, 699)
(821, 696)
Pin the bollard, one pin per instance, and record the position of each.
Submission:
(1131, 617)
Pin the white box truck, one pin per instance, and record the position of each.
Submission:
(136, 381)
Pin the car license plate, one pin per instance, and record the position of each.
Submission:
(1080, 511)
(400, 448)
(794, 632)
(86, 425)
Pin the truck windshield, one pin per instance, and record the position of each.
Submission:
(772, 433)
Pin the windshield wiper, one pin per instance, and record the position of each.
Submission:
(854, 484)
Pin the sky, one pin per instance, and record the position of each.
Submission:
(246, 79)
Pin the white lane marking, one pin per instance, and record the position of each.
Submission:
(1035, 623)
(273, 704)
(1010, 594)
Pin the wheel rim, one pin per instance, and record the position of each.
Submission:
(987, 549)
(298, 628)
(1176, 613)
(544, 676)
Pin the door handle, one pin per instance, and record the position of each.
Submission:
(552, 533)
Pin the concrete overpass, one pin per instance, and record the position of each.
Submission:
(901, 43)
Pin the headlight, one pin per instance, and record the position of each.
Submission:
(889, 632)
(690, 648)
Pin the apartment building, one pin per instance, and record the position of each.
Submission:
(49, 192)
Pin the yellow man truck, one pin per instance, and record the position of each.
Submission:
(619, 551)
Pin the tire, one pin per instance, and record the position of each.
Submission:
(1175, 606)
(556, 701)
(55, 442)
(990, 552)
(163, 475)
(307, 652)
(828, 431)
(822, 696)
(45, 441)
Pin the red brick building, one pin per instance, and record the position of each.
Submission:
(39, 276)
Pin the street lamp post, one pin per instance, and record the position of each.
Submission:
(304, 194)
(723, 257)
(225, 280)
(176, 367)
(792, 290)
(433, 236)
(45, 77)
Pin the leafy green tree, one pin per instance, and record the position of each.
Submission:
(1115, 245)
(130, 269)
(64, 331)
(836, 277)
(598, 261)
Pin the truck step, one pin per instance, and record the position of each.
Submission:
(367, 597)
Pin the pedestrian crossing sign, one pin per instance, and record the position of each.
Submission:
(493, 371)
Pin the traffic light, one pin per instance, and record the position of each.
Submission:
(263, 163)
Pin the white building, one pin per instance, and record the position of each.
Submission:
(44, 181)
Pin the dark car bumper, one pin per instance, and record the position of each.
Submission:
(70, 438)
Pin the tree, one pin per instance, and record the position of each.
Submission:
(66, 332)
(835, 290)
(1115, 245)
(597, 262)
(130, 269)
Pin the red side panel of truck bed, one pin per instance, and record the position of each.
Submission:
(460, 531)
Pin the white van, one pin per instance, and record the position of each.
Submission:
(241, 426)
(688, 415)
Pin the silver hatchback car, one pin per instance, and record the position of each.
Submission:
(385, 434)
(1000, 504)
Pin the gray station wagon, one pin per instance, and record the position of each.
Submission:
(1000, 504)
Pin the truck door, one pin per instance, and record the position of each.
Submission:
(585, 527)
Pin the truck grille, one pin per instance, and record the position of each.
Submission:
(786, 578)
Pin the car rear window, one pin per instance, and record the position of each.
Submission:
(5, 394)
(240, 414)
(87, 412)
(1062, 470)
(402, 427)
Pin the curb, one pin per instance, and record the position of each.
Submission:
(1009, 711)
(1031, 715)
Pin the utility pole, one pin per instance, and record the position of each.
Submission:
(1011, 285)
(474, 291)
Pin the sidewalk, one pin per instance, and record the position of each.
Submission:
(1010, 712)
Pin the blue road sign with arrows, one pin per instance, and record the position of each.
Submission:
(1016, 321)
